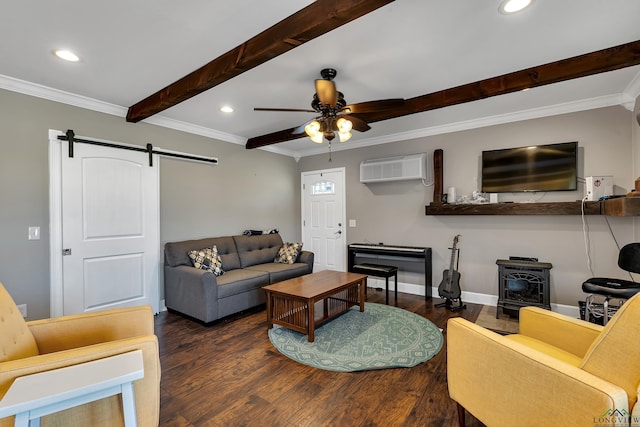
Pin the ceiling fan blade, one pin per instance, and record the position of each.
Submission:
(275, 137)
(327, 93)
(295, 110)
(358, 124)
(374, 106)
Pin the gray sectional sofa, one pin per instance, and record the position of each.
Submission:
(248, 264)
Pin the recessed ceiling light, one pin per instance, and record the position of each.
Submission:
(513, 6)
(67, 55)
(226, 109)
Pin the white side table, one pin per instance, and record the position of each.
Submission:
(34, 396)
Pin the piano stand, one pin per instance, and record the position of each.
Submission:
(392, 256)
(449, 304)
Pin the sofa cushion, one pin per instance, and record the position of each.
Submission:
(260, 249)
(288, 253)
(241, 280)
(207, 259)
(177, 253)
(279, 272)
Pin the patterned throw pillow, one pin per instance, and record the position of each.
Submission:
(207, 259)
(288, 253)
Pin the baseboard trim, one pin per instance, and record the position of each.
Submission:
(471, 297)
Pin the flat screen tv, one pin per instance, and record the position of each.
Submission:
(552, 167)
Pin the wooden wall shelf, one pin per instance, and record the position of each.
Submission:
(625, 206)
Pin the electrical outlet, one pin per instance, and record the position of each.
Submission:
(23, 310)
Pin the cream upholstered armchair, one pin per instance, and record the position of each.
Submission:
(43, 345)
(557, 371)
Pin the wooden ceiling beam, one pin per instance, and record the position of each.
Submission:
(601, 61)
(274, 138)
(605, 60)
(318, 18)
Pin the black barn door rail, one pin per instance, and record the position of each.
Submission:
(70, 136)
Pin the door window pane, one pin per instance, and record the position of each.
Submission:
(323, 187)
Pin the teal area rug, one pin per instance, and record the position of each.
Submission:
(381, 337)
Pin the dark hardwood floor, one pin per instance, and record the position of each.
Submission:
(229, 374)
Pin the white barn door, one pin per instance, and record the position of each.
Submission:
(323, 218)
(110, 229)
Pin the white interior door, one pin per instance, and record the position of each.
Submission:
(323, 218)
(110, 229)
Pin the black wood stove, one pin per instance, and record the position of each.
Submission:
(522, 283)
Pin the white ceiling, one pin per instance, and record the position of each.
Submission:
(131, 49)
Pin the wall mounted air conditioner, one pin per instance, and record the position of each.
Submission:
(398, 168)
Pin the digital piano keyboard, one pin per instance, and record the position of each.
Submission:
(390, 252)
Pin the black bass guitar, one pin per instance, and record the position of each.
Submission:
(449, 288)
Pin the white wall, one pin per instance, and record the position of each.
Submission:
(257, 189)
(394, 213)
(249, 189)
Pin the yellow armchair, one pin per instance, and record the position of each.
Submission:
(557, 371)
(42, 345)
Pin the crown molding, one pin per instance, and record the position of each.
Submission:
(631, 92)
(45, 92)
(535, 113)
(193, 129)
(279, 150)
(626, 99)
(51, 94)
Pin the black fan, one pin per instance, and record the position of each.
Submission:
(331, 106)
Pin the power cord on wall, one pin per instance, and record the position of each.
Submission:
(427, 184)
(587, 243)
(585, 233)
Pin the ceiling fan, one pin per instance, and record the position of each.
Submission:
(334, 117)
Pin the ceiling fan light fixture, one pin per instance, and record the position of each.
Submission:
(329, 135)
(312, 128)
(317, 138)
(344, 125)
(508, 7)
(344, 136)
(332, 120)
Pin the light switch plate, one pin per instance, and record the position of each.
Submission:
(352, 223)
(34, 233)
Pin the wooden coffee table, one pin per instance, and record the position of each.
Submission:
(292, 303)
